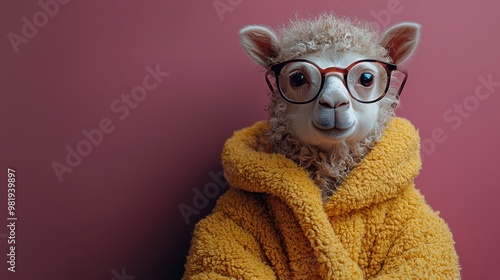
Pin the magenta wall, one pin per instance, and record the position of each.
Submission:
(80, 72)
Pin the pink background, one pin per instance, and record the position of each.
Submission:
(119, 208)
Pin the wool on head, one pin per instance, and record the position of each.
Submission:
(327, 32)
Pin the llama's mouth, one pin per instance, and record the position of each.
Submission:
(337, 131)
(333, 123)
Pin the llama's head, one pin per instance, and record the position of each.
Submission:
(334, 80)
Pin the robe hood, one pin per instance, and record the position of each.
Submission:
(386, 171)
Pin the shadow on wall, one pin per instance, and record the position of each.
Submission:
(191, 210)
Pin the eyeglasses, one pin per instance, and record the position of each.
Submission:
(300, 81)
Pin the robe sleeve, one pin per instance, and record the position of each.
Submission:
(225, 246)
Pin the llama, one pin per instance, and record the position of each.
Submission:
(324, 188)
(309, 133)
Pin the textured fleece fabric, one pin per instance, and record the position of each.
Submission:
(272, 223)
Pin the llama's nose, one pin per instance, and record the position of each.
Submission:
(334, 95)
(333, 103)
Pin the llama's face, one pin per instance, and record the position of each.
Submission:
(334, 115)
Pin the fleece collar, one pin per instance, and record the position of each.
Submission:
(391, 166)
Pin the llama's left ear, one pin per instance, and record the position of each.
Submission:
(261, 43)
(401, 40)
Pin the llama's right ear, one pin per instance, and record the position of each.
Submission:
(401, 41)
(260, 43)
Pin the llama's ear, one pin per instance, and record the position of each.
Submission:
(401, 40)
(260, 43)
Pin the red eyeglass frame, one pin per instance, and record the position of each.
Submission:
(389, 68)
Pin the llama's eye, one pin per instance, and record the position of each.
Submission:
(297, 79)
(366, 79)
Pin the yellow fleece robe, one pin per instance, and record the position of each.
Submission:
(272, 223)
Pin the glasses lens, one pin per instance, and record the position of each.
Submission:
(367, 81)
(299, 81)
(398, 78)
